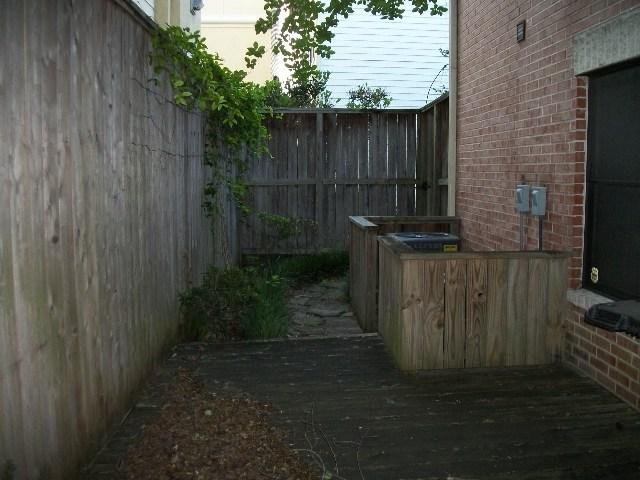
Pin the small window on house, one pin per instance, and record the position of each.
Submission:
(612, 229)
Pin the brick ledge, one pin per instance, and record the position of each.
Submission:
(585, 299)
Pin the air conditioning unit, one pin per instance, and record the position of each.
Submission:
(429, 241)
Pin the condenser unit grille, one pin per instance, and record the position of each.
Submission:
(429, 241)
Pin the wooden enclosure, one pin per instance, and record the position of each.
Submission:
(101, 187)
(326, 165)
(363, 257)
(475, 309)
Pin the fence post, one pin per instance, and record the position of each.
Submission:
(424, 181)
(432, 194)
(319, 177)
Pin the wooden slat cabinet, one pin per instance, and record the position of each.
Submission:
(363, 257)
(474, 309)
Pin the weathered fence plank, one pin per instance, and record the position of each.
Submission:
(423, 313)
(431, 169)
(496, 312)
(476, 314)
(517, 306)
(454, 332)
(537, 300)
(101, 183)
(328, 165)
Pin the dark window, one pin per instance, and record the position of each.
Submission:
(612, 233)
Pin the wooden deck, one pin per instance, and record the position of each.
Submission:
(517, 423)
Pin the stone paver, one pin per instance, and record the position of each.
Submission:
(322, 309)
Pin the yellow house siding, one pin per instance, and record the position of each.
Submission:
(176, 12)
(228, 29)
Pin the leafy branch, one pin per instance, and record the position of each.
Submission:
(235, 108)
(366, 98)
(302, 27)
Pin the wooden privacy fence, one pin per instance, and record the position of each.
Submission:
(326, 165)
(101, 187)
(363, 257)
(473, 309)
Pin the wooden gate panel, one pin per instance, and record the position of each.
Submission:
(327, 165)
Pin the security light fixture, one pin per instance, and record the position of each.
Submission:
(196, 5)
(520, 31)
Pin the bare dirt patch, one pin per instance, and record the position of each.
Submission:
(198, 435)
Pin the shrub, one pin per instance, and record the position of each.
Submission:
(366, 98)
(267, 315)
(8, 471)
(313, 268)
(213, 309)
(251, 301)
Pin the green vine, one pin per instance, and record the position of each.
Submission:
(287, 227)
(235, 109)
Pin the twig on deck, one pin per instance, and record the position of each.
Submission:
(358, 453)
(333, 453)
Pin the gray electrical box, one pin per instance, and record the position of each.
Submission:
(522, 198)
(538, 201)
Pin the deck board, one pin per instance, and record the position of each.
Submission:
(509, 423)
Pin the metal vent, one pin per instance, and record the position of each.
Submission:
(623, 316)
(429, 241)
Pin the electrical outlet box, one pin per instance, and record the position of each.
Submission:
(538, 201)
(522, 198)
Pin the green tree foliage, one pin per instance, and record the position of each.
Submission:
(276, 96)
(306, 27)
(366, 98)
(200, 81)
(310, 93)
(235, 108)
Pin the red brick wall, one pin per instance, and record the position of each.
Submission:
(611, 359)
(522, 116)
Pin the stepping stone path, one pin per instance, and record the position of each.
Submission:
(322, 310)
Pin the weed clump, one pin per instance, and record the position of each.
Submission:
(313, 268)
(251, 301)
(8, 471)
(235, 303)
